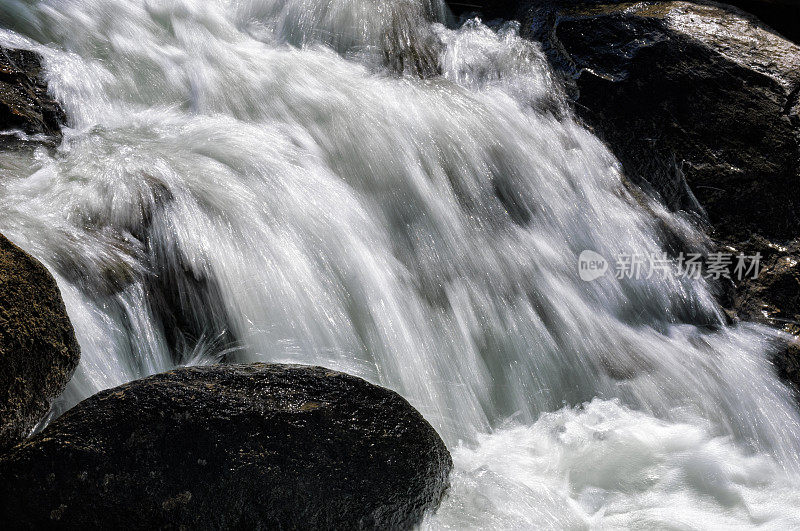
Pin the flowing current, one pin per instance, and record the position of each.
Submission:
(356, 184)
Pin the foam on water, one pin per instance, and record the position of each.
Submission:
(264, 180)
(605, 466)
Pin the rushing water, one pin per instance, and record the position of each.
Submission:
(352, 184)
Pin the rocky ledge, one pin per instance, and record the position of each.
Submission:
(236, 446)
(38, 350)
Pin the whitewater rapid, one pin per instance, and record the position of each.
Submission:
(356, 184)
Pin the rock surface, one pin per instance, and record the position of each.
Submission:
(774, 297)
(782, 15)
(686, 93)
(24, 102)
(38, 350)
(487, 9)
(683, 93)
(235, 446)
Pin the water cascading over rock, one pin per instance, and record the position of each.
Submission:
(316, 205)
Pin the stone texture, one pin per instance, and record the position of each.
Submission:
(235, 446)
(25, 104)
(38, 350)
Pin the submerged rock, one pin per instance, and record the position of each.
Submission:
(234, 446)
(25, 104)
(408, 42)
(38, 349)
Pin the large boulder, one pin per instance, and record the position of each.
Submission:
(699, 101)
(235, 446)
(687, 93)
(25, 104)
(38, 350)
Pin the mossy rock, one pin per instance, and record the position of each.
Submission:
(38, 349)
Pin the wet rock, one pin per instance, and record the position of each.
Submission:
(38, 350)
(781, 15)
(699, 103)
(773, 297)
(787, 363)
(487, 9)
(236, 446)
(25, 104)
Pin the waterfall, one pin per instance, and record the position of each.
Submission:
(358, 185)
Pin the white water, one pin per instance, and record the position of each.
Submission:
(248, 180)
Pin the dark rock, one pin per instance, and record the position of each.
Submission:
(487, 9)
(787, 363)
(235, 446)
(24, 102)
(700, 102)
(38, 350)
(773, 297)
(782, 15)
(686, 93)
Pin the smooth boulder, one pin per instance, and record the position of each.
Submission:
(232, 446)
(25, 104)
(38, 349)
